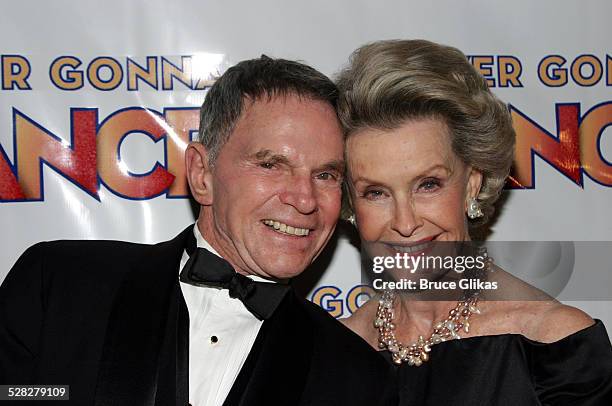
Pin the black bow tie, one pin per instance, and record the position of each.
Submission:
(207, 269)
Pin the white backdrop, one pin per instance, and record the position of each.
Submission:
(41, 203)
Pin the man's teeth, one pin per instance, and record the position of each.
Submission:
(411, 249)
(284, 228)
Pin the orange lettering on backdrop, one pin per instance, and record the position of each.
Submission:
(509, 71)
(591, 128)
(101, 63)
(562, 152)
(111, 172)
(327, 298)
(171, 72)
(75, 161)
(66, 79)
(551, 71)
(15, 72)
(136, 72)
(586, 79)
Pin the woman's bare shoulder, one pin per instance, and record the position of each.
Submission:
(556, 321)
(534, 314)
(544, 321)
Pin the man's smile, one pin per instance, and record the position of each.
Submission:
(286, 229)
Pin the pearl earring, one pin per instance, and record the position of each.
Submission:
(474, 211)
(351, 219)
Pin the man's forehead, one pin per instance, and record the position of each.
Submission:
(288, 128)
(276, 96)
(276, 104)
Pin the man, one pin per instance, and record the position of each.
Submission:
(112, 320)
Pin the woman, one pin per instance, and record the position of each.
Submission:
(428, 149)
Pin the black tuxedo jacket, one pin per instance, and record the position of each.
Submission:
(108, 318)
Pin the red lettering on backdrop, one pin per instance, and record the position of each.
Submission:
(561, 152)
(9, 187)
(89, 155)
(110, 136)
(591, 129)
(35, 145)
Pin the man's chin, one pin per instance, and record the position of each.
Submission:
(284, 269)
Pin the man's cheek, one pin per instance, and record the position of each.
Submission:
(331, 201)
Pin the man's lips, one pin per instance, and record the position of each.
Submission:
(284, 228)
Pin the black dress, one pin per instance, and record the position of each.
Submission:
(509, 369)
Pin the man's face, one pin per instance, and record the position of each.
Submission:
(276, 186)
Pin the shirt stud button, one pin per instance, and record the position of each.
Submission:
(214, 339)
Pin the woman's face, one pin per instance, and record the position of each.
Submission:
(408, 186)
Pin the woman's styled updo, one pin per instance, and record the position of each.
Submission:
(388, 83)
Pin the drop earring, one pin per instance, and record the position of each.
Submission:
(474, 211)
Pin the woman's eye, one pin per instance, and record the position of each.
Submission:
(373, 194)
(430, 185)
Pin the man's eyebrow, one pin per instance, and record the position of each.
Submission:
(266, 154)
(336, 165)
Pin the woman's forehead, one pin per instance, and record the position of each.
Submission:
(414, 145)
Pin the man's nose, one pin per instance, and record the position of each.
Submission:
(301, 194)
(406, 219)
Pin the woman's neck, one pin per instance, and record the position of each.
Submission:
(414, 317)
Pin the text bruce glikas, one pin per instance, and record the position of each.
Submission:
(411, 263)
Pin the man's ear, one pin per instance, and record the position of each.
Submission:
(199, 174)
(474, 184)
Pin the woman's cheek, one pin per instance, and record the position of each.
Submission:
(445, 211)
(371, 222)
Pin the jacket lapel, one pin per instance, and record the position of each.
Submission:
(173, 366)
(145, 315)
(276, 370)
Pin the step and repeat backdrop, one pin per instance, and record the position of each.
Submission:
(99, 99)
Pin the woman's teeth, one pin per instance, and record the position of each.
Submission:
(411, 249)
(284, 228)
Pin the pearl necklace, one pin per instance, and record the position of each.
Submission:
(418, 352)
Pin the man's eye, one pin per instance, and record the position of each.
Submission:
(267, 165)
(327, 176)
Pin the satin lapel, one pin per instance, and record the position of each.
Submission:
(144, 316)
(173, 372)
(276, 370)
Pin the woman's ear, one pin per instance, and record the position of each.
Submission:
(474, 183)
(199, 173)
